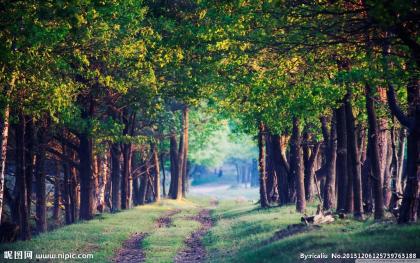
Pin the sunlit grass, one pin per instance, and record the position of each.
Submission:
(241, 229)
(104, 235)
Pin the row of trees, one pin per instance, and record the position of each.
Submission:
(103, 90)
(95, 96)
(332, 90)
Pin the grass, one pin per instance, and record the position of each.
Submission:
(238, 234)
(104, 235)
(241, 229)
(163, 243)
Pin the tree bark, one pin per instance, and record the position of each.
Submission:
(185, 125)
(282, 184)
(162, 162)
(329, 192)
(56, 207)
(263, 172)
(341, 164)
(66, 188)
(410, 202)
(174, 167)
(25, 232)
(41, 206)
(296, 166)
(156, 172)
(272, 188)
(126, 171)
(29, 161)
(3, 144)
(115, 176)
(144, 182)
(86, 177)
(354, 157)
(180, 187)
(374, 154)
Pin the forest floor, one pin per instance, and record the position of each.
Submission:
(210, 230)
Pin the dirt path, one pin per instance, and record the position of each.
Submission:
(194, 251)
(131, 252)
(166, 219)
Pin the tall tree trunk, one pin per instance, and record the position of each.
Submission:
(181, 159)
(3, 144)
(354, 157)
(41, 206)
(329, 192)
(308, 177)
(395, 181)
(29, 160)
(102, 181)
(115, 176)
(56, 207)
(341, 164)
(385, 150)
(374, 153)
(272, 188)
(174, 167)
(185, 125)
(281, 172)
(162, 161)
(126, 170)
(156, 172)
(144, 182)
(25, 232)
(410, 202)
(86, 176)
(296, 166)
(74, 191)
(263, 172)
(367, 183)
(66, 188)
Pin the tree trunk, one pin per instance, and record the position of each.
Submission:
(86, 176)
(374, 153)
(102, 181)
(41, 206)
(395, 181)
(272, 188)
(144, 182)
(66, 188)
(308, 176)
(4, 141)
(162, 161)
(156, 172)
(56, 208)
(29, 161)
(296, 166)
(281, 173)
(74, 192)
(181, 155)
(115, 176)
(354, 157)
(329, 192)
(341, 164)
(410, 202)
(185, 125)
(174, 167)
(263, 172)
(367, 183)
(25, 231)
(126, 171)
